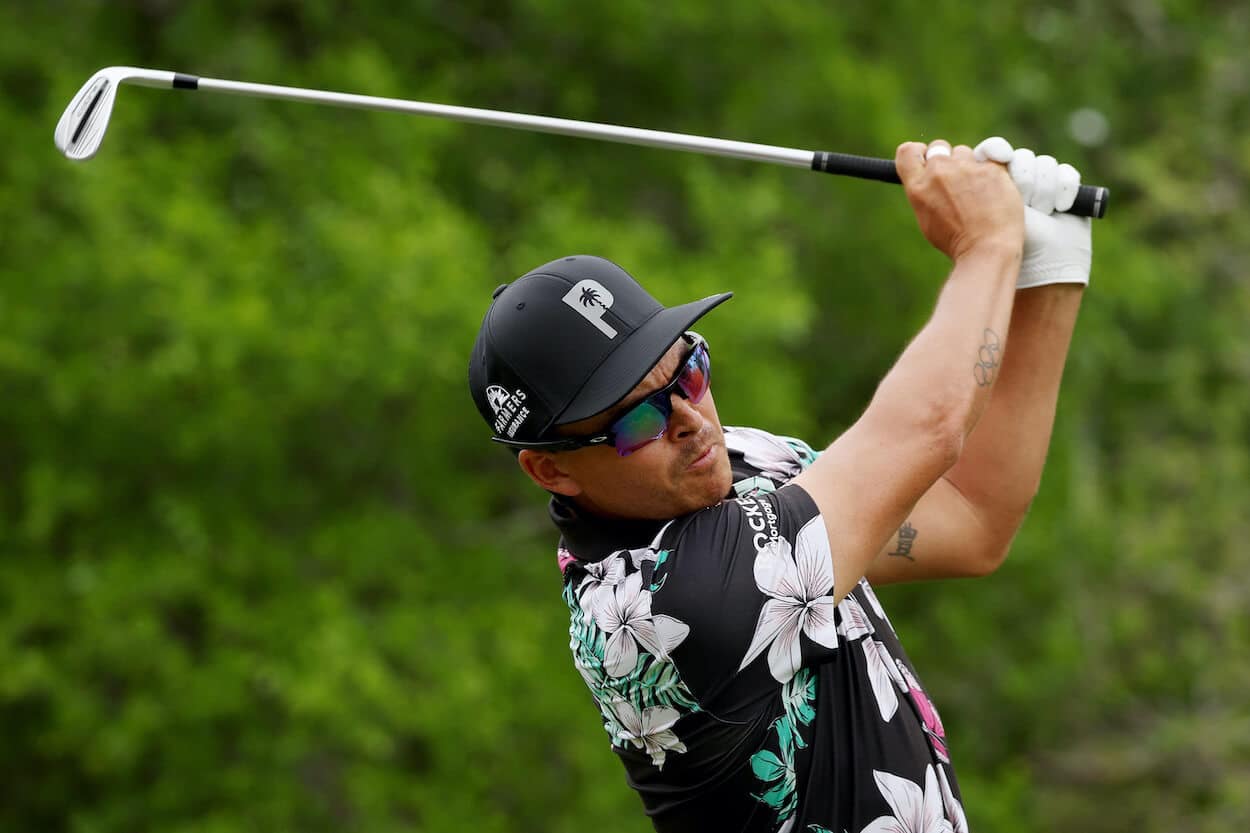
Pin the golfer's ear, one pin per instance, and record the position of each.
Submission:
(545, 469)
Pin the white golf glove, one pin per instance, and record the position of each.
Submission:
(1057, 247)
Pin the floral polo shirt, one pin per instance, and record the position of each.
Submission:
(734, 691)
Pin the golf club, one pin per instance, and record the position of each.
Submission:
(81, 128)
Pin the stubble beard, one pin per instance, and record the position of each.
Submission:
(709, 486)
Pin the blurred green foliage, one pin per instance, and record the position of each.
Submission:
(260, 568)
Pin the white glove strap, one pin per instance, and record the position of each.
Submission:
(1057, 249)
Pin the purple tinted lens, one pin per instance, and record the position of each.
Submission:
(695, 376)
(638, 427)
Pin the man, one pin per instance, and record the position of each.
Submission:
(719, 580)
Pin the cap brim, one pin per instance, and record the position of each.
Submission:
(628, 364)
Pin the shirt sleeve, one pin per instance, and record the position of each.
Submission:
(752, 578)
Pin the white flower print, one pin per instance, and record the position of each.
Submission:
(772, 457)
(914, 811)
(623, 612)
(954, 810)
(600, 575)
(642, 554)
(588, 673)
(798, 586)
(874, 602)
(884, 676)
(882, 673)
(611, 723)
(651, 730)
(855, 622)
(609, 571)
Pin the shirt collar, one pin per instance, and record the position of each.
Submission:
(593, 538)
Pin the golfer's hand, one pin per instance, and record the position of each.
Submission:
(961, 204)
(1057, 247)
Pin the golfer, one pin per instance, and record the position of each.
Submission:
(720, 580)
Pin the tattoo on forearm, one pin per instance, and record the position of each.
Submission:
(906, 538)
(988, 359)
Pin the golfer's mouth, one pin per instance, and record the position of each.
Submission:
(705, 459)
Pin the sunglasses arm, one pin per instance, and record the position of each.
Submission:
(556, 445)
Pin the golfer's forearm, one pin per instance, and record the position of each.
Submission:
(869, 480)
(948, 371)
(1000, 467)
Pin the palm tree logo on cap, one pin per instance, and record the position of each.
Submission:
(591, 300)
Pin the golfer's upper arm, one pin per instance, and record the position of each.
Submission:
(945, 536)
(866, 483)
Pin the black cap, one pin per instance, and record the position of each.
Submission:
(569, 340)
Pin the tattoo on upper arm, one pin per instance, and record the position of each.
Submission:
(988, 359)
(906, 538)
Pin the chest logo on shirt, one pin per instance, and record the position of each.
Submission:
(762, 520)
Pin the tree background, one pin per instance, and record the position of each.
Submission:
(260, 568)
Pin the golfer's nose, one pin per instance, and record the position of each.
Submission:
(686, 419)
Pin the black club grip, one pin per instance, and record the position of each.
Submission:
(1091, 200)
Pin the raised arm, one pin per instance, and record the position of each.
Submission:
(868, 481)
(965, 524)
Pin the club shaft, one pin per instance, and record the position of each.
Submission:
(543, 124)
(81, 127)
(1091, 200)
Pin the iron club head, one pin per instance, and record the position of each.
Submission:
(81, 128)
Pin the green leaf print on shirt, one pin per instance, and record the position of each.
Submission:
(660, 558)
(776, 768)
(639, 706)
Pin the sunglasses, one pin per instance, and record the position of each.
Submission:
(648, 420)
